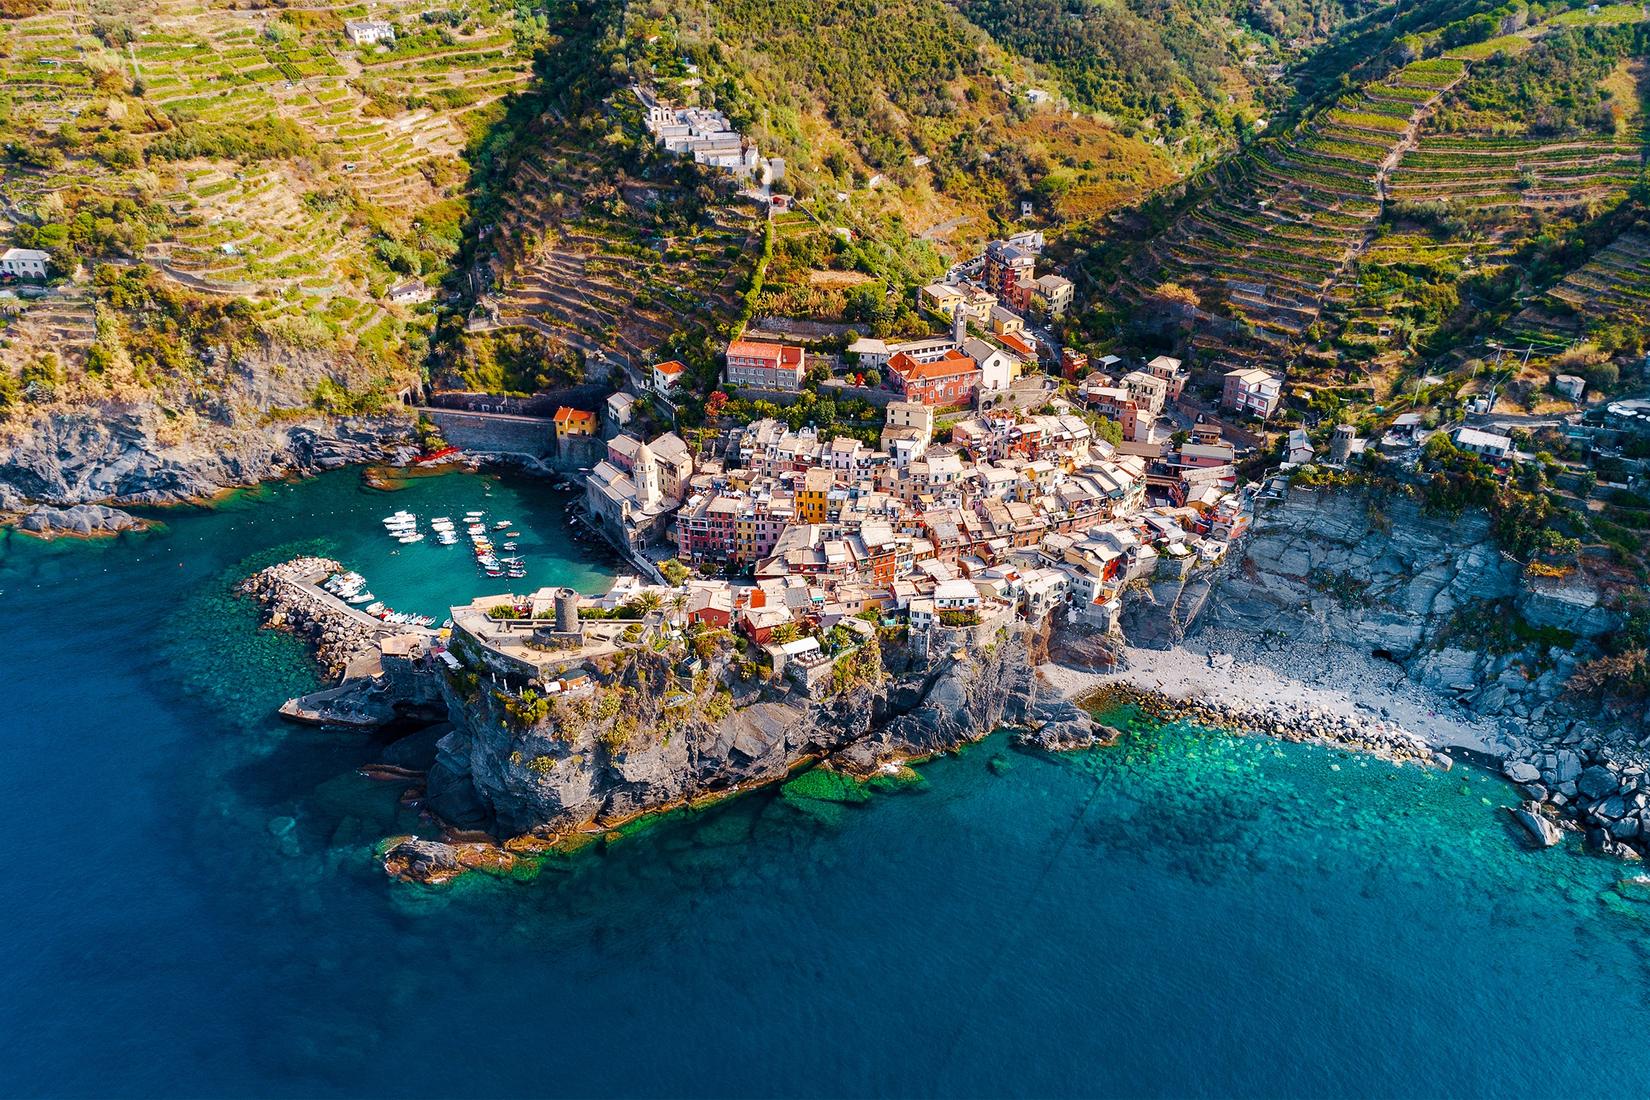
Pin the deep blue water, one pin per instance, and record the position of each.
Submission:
(190, 904)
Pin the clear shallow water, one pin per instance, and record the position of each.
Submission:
(191, 907)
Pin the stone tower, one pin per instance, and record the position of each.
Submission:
(1340, 443)
(959, 325)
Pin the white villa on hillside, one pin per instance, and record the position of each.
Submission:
(24, 263)
(370, 32)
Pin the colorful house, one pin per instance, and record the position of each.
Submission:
(765, 366)
(950, 380)
(571, 422)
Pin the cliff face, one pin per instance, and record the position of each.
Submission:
(668, 742)
(249, 423)
(1430, 592)
(122, 454)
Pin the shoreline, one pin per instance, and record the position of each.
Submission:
(1341, 698)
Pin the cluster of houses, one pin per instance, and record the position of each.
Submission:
(1002, 278)
(1011, 514)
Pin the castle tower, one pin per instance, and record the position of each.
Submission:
(959, 325)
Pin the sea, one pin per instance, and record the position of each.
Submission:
(190, 903)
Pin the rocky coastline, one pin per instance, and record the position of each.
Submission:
(1285, 721)
(132, 454)
(1380, 608)
(1330, 625)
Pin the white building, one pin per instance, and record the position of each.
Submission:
(667, 376)
(369, 32)
(1485, 444)
(956, 596)
(996, 365)
(24, 263)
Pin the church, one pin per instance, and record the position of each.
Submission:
(635, 491)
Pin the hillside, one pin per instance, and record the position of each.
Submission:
(254, 157)
(1401, 222)
(907, 137)
(1186, 70)
(956, 130)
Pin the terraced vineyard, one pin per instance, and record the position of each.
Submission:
(1478, 172)
(616, 245)
(266, 155)
(1614, 284)
(1286, 222)
(1340, 248)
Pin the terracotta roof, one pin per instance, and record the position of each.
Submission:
(669, 366)
(1016, 343)
(953, 364)
(784, 354)
(568, 415)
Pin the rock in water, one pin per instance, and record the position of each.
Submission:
(1521, 771)
(422, 860)
(1541, 830)
(83, 520)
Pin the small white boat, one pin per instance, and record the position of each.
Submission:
(414, 537)
(375, 608)
(509, 546)
(362, 597)
(502, 524)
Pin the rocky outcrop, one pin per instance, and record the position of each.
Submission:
(77, 521)
(135, 454)
(1544, 833)
(570, 769)
(434, 862)
(1341, 566)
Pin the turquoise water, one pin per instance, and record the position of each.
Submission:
(191, 905)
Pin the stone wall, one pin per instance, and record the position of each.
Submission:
(495, 432)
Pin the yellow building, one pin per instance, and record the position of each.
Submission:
(573, 422)
(812, 499)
